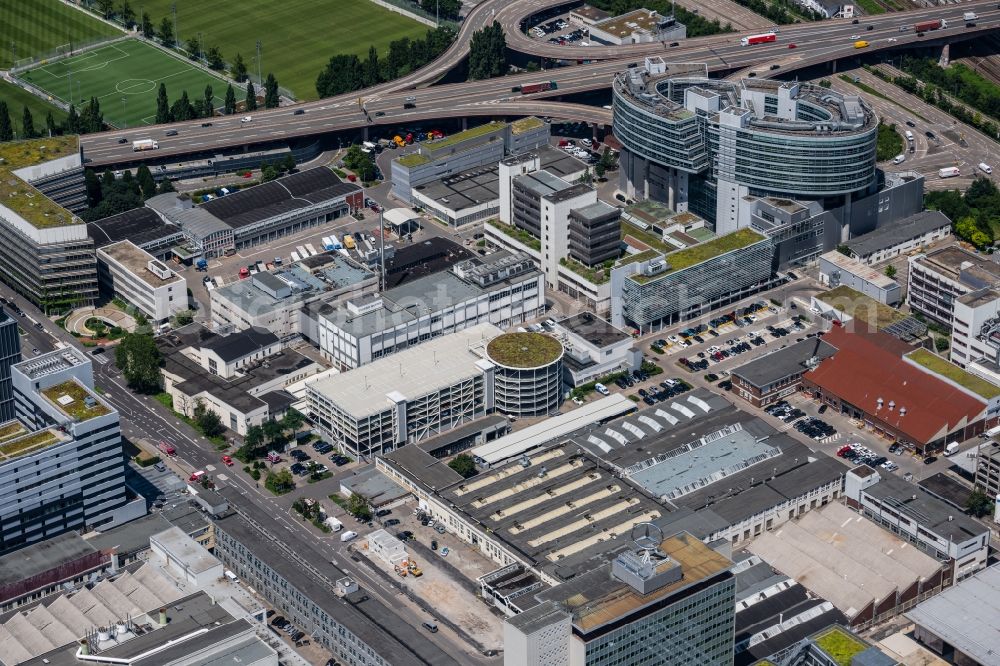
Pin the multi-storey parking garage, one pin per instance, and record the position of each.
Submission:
(528, 375)
(708, 144)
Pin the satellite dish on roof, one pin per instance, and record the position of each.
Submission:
(646, 536)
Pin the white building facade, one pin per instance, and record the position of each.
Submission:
(134, 275)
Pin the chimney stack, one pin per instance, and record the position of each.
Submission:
(163, 617)
(84, 647)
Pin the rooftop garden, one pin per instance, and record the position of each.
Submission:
(524, 350)
(11, 430)
(595, 275)
(940, 366)
(24, 199)
(75, 406)
(28, 444)
(680, 259)
(413, 160)
(449, 141)
(640, 256)
(526, 124)
(520, 235)
(840, 645)
(865, 308)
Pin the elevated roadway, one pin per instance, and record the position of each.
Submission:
(815, 44)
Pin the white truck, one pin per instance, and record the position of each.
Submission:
(948, 172)
(334, 524)
(144, 144)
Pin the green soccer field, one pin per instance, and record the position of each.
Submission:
(124, 77)
(18, 98)
(35, 28)
(297, 37)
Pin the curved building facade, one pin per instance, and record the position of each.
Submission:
(706, 145)
(528, 373)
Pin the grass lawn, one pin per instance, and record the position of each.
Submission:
(130, 71)
(297, 37)
(17, 98)
(37, 27)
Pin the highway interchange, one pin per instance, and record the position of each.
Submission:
(815, 43)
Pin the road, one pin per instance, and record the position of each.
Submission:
(815, 43)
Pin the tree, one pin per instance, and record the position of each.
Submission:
(208, 105)
(941, 343)
(890, 271)
(93, 185)
(268, 172)
(162, 105)
(288, 164)
(274, 432)
(239, 70)
(229, 107)
(166, 33)
(139, 360)
(251, 97)
(844, 250)
(488, 52)
(183, 318)
(214, 57)
(72, 123)
(165, 186)
(446, 9)
(107, 7)
(279, 482)
(293, 419)
(126, 14)
(271, 96)
(182, 109)
(28, 124)
(358, 507)
(91, 118)
(464, 465)
(107, 181)
(979, 503)
(600, 170)
(342, 74)
(253, 444)
(146, 182)
(193, 48)
(148, 31)
(208, 421)
(50, 124)
(6, 128)
(370, 73)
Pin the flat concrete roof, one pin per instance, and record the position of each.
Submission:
(898, 232)
(783, 363)
(595, 330)
(465, 190)
(136, 261)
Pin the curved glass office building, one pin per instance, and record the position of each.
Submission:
(706, 145)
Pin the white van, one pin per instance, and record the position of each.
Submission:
(246, 119)
(985, 168)
(602, 389)
(898, 159)
(348, 535)
(909, 135)
(951, 449)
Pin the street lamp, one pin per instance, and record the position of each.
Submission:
(124, 121)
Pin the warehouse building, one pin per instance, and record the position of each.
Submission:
(134, 275)
(260, 214)
(778, 374)
(836, 269)
(142, 227)
(901, 237)
(500, 289)
(637, 27)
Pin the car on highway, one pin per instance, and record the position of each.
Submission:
(246, 119)
(792, 46)
(298, 112)
(171, 132)
(929, 134)
(891, 39)
(206, 124)
(855, 36)
(122, 140)
(227, 460)
(379, 114)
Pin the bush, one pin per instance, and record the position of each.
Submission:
(255, 474)
(146, 459)
(941, 344)
(464, 465)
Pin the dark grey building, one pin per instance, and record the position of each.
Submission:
(10, 353)
(595, 233)
(527, 192)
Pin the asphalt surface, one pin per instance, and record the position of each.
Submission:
(383, 105)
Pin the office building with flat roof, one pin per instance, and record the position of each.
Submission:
(48, 256)
(836, 269)
(261, 214)
(594, 348)
(137, 277)
(61, 460)
(937, 279)
(901, 237)
(778, 374)
(501, 289)
(144, 228)
(637, 27)
(283, 301)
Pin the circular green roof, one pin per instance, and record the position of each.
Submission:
(524, 350)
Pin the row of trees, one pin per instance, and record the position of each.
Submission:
(346, 72)
(446, 9)
(360, 163)
(889, 143)
(204, 107)
(488, 53)
(271, 435)
(975, 214)
(108, 195)
(90, 120)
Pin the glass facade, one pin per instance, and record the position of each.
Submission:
(686, 293)
(697, 629)
(10, 353)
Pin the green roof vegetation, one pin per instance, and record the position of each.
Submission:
(28, 444)
(525, 125)
(71, 398)
(524, 350)
(517, 234)
(840, 645)
(449, 141)
(413, 160)
(24, 199)
(685, 258)
(11, 430)
(595, 275)
(641, 256)
(860, 306)
(940, 366)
